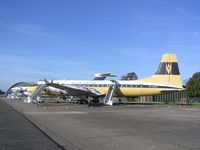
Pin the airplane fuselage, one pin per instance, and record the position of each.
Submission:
(123, 88)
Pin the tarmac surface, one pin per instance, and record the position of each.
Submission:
(134, 127)
(17, 133)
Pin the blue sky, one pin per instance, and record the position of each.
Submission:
(73, 39)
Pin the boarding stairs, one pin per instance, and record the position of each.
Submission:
(15, 94)
(109, 95)
(36, 92)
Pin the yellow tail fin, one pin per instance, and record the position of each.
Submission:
(167, 73)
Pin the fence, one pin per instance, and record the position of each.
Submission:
(170, 97)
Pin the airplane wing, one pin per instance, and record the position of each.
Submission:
(75, 90)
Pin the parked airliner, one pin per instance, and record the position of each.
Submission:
(166, 79)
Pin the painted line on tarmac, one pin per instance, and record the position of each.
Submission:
(57, 113)
(192, 109)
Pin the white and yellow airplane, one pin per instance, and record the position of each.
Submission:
(166, 79)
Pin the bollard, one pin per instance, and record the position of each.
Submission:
(35, 105)
(66, 106)
(45, 106)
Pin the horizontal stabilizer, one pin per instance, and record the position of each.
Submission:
(102, 76)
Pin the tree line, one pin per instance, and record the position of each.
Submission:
(193, 85)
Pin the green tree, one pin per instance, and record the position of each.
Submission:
(129, 76)
(193, 85)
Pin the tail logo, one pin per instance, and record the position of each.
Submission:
(168, 68)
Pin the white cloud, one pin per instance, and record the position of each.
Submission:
(180, 10)
(53, 68)
(33, 30)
